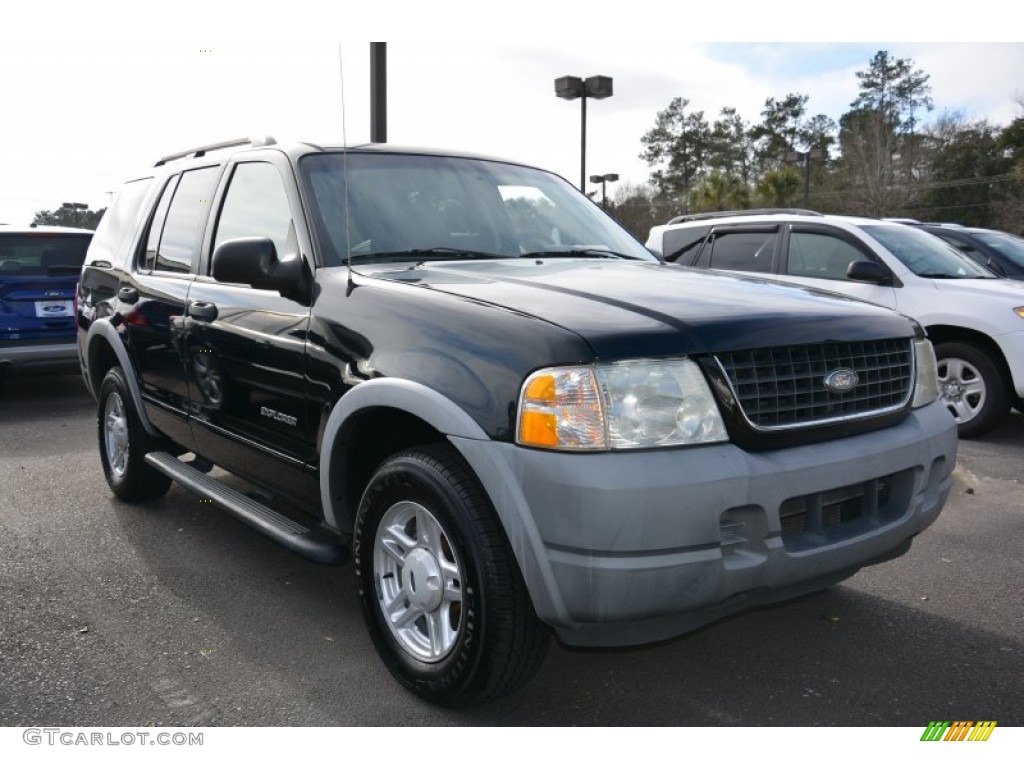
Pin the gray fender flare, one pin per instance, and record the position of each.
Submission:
(105, 329)
(404, 395)
(476, 449)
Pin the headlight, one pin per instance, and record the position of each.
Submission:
(927, 387)
(635, 404)
(1019, 311)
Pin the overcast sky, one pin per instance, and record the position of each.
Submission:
(81, 117)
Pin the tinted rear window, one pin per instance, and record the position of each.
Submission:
(42, 253)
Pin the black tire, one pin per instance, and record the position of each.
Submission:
(490, 641)
(124, 443)
(972, 388)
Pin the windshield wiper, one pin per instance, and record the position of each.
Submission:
(601, 253)
(425, 254)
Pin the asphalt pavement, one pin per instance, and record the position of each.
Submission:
(173, 614)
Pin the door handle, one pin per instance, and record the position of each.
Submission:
(127, 294)
(202, 310)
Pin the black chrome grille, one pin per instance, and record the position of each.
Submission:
(781, 387)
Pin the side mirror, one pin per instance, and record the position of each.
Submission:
(867, 272)
(253, 261)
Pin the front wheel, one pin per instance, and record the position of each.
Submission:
(441, 592)
(971, 387)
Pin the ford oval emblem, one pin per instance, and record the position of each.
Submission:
(841, 380)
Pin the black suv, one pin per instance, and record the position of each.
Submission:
(1001, 252)
(462, 375)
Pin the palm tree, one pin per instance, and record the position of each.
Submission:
(779, 188)
(720, 192)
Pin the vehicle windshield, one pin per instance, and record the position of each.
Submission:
(924, 254)
(42, 253)
(382, 207)
(1010, 246)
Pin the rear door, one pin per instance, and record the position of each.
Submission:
(151, 302)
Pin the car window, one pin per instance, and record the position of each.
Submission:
(1008, 245)
(682, 245)
(256, 205)
(120, 222)
(742, 250)
(381, 206)
(148, 259)
(183, 229)
(819, 254)
(42, 253)
(924, 254)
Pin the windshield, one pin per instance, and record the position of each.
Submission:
(422, 207)
(1010, 246)
(925, 254)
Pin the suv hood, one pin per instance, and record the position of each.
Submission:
(636, 309)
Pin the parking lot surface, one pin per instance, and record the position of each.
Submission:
(174, 614)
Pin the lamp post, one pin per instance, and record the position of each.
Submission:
(569, 88)
(805, 158)
(602, 180)
(74, 208)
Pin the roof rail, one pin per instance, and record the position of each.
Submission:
(749, 212)
(262, 141)
(902, 220)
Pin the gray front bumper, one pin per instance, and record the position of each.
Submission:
(629, 547)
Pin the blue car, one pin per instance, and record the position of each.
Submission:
(39, 269)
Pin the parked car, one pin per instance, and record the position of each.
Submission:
(510, 415)
(1001, 252)
(975, 320)
(39, 267)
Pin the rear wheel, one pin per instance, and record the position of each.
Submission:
(971, 387)
(124, 444)
(441, 591)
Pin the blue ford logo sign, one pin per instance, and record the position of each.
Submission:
(841, 380)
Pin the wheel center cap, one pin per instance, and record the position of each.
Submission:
(953, 390)
(421, 578)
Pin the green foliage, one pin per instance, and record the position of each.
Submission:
(780, 188)
(881, 159)
(720, 192)
(66, 217)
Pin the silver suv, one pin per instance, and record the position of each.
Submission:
(974, 319)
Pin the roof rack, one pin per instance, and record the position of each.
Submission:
(262, 141)
(749, 212)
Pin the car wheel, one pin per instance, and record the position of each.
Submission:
(124, 444)
(971, 387)
(441, 592)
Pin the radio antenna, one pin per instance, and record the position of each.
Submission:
(344, 167)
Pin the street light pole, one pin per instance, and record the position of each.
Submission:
(602, 180)
(569, 88)
(805, 158)
(74, 208)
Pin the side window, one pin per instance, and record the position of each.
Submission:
(818, 254)
(120, 222)
(183, 229)
(148, 260)
(743, 250)
(681, 245)
(256, 205)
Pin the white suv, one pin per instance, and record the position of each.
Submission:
(975, 319)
